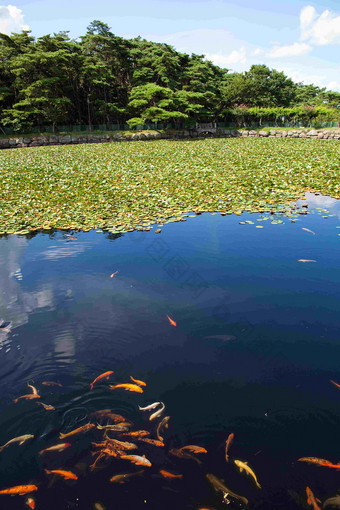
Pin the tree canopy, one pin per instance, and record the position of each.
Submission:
(106, 79)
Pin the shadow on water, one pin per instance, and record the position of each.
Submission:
(255, 347)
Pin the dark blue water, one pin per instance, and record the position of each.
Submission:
(268, 381)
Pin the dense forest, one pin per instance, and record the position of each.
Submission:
(103, 79)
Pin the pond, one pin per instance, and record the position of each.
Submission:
(254, 350)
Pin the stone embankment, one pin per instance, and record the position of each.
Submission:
(40, 140)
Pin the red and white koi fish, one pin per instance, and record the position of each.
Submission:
(56, 448)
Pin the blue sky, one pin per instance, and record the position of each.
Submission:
(300, 38)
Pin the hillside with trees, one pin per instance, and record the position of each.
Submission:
(103, 79)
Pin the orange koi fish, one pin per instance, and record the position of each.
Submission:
(173, 323)
(228, 444)
(67, 475)
(194, 449)
(126, 387)
(21, 490)
(136, 381)
(137, 459)
(154, 442)
(105, 375)
(319, 462)
(125, 477)
(113, 274)
(335, 384)
(30, 396)
(51, 383)
(79, 430)
(56, 448)
(167, 474)
(47, 407)
(30, 503)
(311, 500)
(137, 434)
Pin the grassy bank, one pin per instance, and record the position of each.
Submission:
(126, 186)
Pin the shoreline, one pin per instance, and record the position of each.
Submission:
(18, 142)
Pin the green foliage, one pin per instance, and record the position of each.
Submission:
(106, 79)
(125, 185)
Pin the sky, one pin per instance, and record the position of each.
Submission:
(300, 38)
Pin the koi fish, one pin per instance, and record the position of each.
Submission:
(244, 466)
(228, 444)
(113, 274)
(30, 502)
(47, 407)
(150, 407)
(67, 475)
(137, 459)
(319, 462)
(307, 230)
(124, 477)
(157, 413)
(21, 490)
(154, 442)
(173, 323)
(109, 415)
(124, 445)
(105, 375)
(194, 449)
(136, 381)
(219, 486)
(51, 383)
(20, 439)
(79, 430)
(34, 390)
(311, 500)
(163, 423)
(56, 448)
(183, 455)
(126, 387)
(306, 260)
(115, 428)
(30, 396)
(335, 384)
(137, 434)
(167, 474)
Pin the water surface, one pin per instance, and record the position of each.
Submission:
(256, 343)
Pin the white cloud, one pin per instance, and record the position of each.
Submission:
(307, 16)
(235, 57)
(11, 19)
(291, 50)
(320, 29)
(333, 85)
(256, 52)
